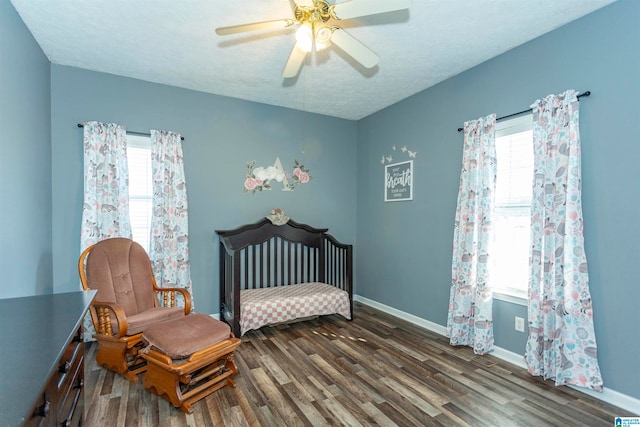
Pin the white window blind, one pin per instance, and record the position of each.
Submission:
(514, 180)
(140, 188)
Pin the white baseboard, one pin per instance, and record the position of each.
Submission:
(610, 396)
(434, 327)
(509, 356)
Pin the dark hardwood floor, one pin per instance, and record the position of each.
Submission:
(375, 370)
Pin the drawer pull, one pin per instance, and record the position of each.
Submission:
(76, 401)
(64, 368)
(42, 410)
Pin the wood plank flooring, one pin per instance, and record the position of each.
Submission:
(375, 370)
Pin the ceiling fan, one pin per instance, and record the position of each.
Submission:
(316, 30)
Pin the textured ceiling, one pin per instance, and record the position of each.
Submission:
(174, 43)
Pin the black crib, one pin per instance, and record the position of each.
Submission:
(264, 255)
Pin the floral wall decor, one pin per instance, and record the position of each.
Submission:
(261, 178)
(300, 174)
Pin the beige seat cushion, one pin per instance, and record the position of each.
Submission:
(141, 321)
(180, 338)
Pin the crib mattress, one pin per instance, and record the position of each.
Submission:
(260, 307)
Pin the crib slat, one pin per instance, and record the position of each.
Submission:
(341, 275)
(282, 265)
(320, 262)
(258, 266)
(296, 249)
(254, 266)
(268, 262)
(293, 256)
(295, 278)
(309, 265)
(334, 264)
(246, 268)
(290, 272)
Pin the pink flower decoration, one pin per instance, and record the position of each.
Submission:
(250, 183)
(303, 177)
(297, 172)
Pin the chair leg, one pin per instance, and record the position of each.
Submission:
(114, 356)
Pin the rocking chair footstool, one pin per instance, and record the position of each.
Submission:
(188, 359)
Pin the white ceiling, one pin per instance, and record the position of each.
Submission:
(174, 43)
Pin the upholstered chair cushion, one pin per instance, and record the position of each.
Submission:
(181, 338)
(120, 270)
(141, 321)
(114, 267)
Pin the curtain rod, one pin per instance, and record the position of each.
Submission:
(587, 93)
(80, 125)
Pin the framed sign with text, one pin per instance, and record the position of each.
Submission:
(398, 181)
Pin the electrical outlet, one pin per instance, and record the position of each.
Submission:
(519, 324)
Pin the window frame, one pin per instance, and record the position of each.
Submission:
(506, 128)
(141, 142)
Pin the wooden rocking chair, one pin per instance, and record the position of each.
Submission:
(126, 303)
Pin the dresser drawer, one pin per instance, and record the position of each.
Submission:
(62, 378)
(62, 402)
(70, 405)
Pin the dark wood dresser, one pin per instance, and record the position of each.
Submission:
(42, 359)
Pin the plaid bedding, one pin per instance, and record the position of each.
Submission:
(260, 307)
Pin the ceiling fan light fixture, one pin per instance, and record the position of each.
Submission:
(323, 37)
(315, 34)
(304, 37)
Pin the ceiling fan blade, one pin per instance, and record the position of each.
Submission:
(266, 25)
(294, 63)
(356, 8)
(353, 47)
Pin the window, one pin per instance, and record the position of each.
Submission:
(510, 253)
(140, 188)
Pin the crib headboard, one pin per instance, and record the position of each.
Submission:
(265, 255)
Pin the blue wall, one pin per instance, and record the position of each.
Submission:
(404, 248)
(25, 161)
(221, 135)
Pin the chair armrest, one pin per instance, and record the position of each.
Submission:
(169, 297)
(101, 315)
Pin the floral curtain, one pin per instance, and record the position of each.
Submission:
(168, 250)
(470, 318)
(105, 212)
(561, 343)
